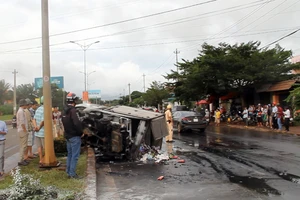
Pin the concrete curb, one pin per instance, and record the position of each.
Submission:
(263, 129)
(91, 176)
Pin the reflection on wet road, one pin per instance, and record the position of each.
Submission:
(224, 163)
(267, 163)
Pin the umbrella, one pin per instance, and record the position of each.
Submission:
(202, 102)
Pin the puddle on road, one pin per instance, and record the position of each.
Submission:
(256, 184)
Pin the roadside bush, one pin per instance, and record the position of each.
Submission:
(60, 146)
(6, 109)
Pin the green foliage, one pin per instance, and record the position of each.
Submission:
(218, 70)
(25, 186)
(34, 183)
(6, 109)
(155, 94)
(60, 146)
(58, 96)
(26, 91)
(294, 100)
(4, 89)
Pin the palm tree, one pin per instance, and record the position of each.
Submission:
(26, 91)
(4, 88)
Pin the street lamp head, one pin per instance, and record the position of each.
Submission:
(72, 41)
(97, 42)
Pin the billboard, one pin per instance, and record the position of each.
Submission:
(58, 80)
(93, 94)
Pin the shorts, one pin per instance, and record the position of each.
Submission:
(40, 142)
(30, 139)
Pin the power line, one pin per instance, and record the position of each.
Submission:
(73, 14)
(158, 43)
(234, 24)
(114, 23)
(288, 35)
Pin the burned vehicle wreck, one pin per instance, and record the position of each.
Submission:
(119, 131)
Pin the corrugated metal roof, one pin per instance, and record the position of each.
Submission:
(135, 112)
(282, 85)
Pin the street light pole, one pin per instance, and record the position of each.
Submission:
(85, 47)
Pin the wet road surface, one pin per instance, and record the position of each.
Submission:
(226, 163)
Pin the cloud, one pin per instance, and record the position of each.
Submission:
(143, 48)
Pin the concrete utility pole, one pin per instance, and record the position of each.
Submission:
(144, 82)
(129, 93)
(176, 53)
(49, 158)
(15, 91)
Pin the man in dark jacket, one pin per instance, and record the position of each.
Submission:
(73, 132)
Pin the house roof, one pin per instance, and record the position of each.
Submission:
(279, 86)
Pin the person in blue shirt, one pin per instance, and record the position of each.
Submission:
(3, 132)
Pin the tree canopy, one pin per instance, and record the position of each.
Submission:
(225, 68)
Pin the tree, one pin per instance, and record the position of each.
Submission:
(155, 94)
(4, 88)
(225, 68)
(26, 91)
(58, 95)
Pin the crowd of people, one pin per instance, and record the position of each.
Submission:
(29, 121)
(271, 115)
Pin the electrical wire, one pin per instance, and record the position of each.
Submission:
(154, 44)
(283, 37)
(114, 23)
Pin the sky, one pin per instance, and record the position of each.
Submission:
(136, 37)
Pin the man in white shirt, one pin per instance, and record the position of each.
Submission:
(23, 131)
(274, 113)
(287, 116)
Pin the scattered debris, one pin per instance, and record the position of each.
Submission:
(160, 178)
(181, 161)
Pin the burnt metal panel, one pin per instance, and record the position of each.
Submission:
(159, 128)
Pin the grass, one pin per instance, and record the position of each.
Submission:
(53, 177)
(6, 117)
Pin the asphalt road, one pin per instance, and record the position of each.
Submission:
(12, 142)
(226, 163)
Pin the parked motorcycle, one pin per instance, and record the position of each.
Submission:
(14, 122)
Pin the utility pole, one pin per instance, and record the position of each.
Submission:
(176, 53)
(15, 91)
(49, 158)
(129, 93)
(144, 82)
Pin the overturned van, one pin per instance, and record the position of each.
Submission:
(119, 131)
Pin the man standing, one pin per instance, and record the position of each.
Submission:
(287, 115)
(279, 116)
(38, 123)
(274, 113)
(23, 132)
(169, 119)
(29, 126)
(73, 133)
(3, 132)
(56, 115)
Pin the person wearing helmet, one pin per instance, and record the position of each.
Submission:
(73, 133)
(38, 123)
(169, 119)
(22, 131)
